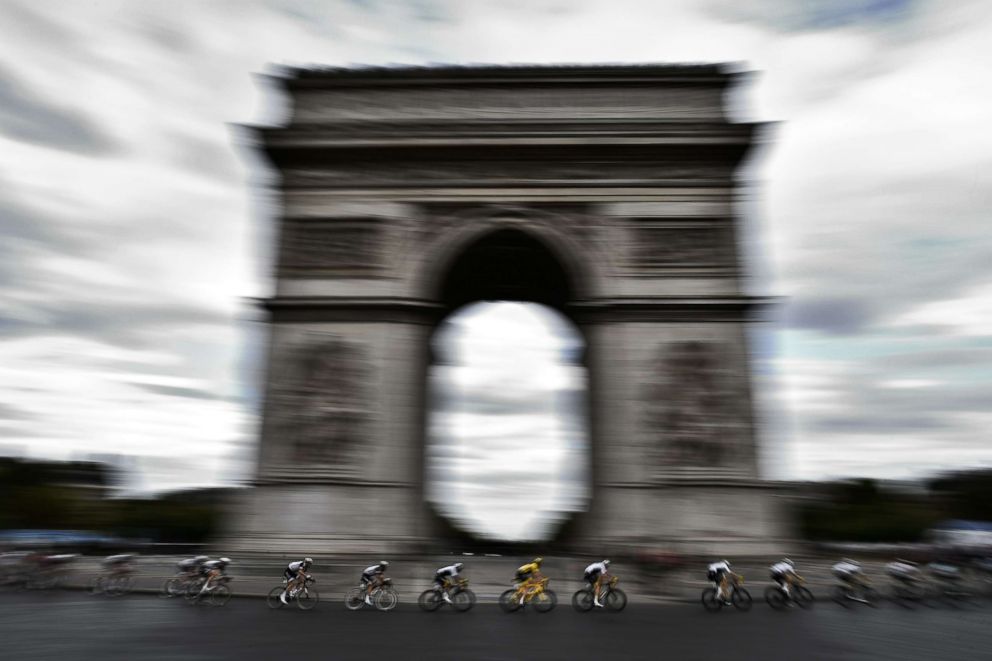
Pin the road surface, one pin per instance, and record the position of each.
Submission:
(70, 625)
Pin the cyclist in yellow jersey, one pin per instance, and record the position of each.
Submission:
(527, 574)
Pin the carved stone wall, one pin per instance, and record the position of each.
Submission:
(694, 419)
(690, 246)
(320, 399)
(631, 102)
(339, 247)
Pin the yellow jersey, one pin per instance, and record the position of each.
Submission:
(529, 568)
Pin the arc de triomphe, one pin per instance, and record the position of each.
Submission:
(605, 192)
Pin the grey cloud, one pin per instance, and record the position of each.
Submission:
(178, 391)
(8, 412)
(27, 117)
(802, 15)
(123, 324)
(832, 314)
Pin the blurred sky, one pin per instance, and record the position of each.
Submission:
(132, 231)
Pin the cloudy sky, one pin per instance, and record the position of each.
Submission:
(133, 230)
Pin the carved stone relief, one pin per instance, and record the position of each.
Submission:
(505, 172)
(696, 246)
(321, 403)
(338, 247)
(634, 102)
(694, 419)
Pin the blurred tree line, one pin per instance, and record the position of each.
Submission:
(868, 510)
(48, 495)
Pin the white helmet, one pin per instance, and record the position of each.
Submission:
(224, 561)
(788, 562)
(308, 561)
(606, 563)
(383, 563)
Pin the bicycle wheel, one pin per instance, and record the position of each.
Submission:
(774, 597)
(172, 587)
(710, 602)
(616, 600)
(462, 600)
(741, 599)
(355, 599)
(193, 591)
(386, 599)
(219, 596)
(307, 598)
(803, 596)
(119, 586)
(273, 601)
(508, 601)
(429, 600)
(545, 601)
(582, 601)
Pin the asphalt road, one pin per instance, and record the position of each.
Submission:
(70, 625)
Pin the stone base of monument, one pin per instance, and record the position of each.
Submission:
(691, 515)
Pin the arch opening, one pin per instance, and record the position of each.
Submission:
(507, 453)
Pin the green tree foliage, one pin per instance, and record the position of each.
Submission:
(37, 495)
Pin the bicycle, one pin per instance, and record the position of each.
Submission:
(305, 596)
(50, 571)
(859, 592)
(949, 586)
(612, 597)
(739, 597)
(383, 597)
(516, 598)
(909, 592)
(462, 599)
(800, 595)
(217, 594)
(176, 586)
(113, 584)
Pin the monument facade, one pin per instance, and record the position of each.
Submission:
(605, 192)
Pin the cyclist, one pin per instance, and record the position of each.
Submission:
(213, 569)
(191, 566)
(527, 574)
(905, 572)
(783, 572)
(718, 572)
(594, 574)
(449, 573)
(849, 573)
(372, 578)
(295, 574)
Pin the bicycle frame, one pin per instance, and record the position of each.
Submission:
(529, 590)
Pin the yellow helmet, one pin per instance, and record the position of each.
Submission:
(538, 561)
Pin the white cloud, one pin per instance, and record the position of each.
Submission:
(131, 230)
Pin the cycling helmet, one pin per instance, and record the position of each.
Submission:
(726, 562)
(224, 561)
(538, 560)
(307, 561)
(383, 563)
(788, 562)
(606, 563)
(200, 559)
(851, 562)
(458, 566)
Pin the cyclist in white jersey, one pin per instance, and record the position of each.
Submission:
(594, 574)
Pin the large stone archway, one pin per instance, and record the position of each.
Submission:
(624, 177)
